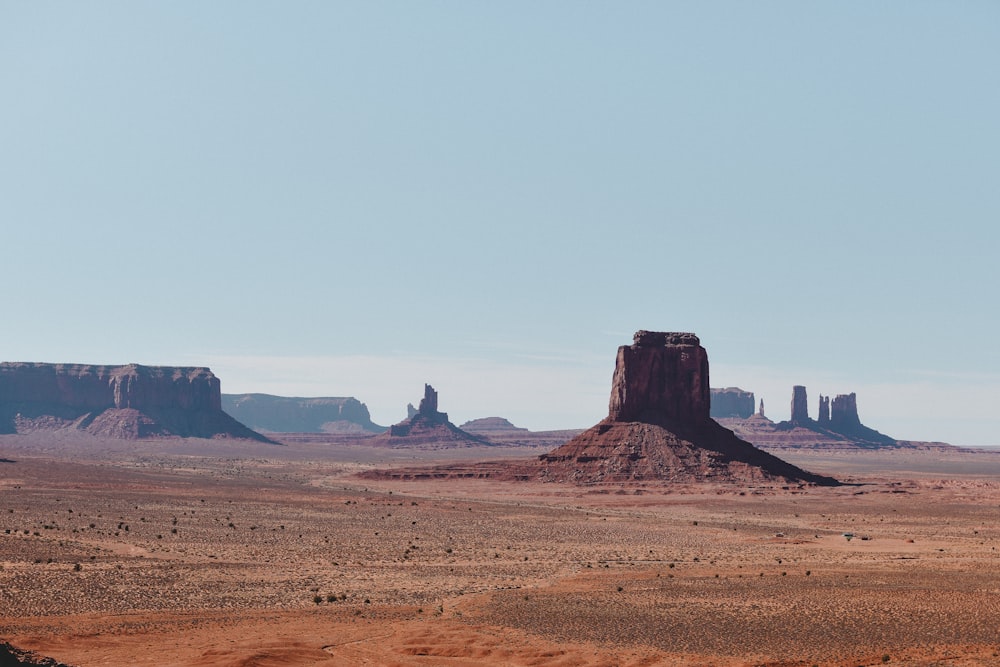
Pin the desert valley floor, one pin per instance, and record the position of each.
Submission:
(193, 552)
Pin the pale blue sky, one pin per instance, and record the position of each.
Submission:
(323, 198)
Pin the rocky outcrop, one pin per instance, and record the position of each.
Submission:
(287, 414)
(12, 656)
(845, 421)
(824, 411)
(131, 401)
(800, 406)
(732, 402)
(844, 412)
(661, 376)
(427, 428)
(658, 426)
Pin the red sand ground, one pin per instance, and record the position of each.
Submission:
(214, 553)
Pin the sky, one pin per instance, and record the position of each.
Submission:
(356, 198)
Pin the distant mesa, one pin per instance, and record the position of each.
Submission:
(124, 402)
(288, 414)
(488, 425)
(659, 427)
(732, 402)
(427, 428)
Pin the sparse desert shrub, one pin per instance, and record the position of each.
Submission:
(317, 599)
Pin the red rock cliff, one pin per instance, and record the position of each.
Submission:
(661, 378)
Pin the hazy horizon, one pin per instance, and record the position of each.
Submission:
(352, 199)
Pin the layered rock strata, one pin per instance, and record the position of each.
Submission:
(131, 401)
(658, 426)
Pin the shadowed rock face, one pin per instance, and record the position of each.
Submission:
(844, 412)
(658, 426)
(800, 405)
(129, 401)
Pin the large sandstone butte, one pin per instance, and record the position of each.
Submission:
(658, 426)
(427, 428)
(289, 414)
(128, 402)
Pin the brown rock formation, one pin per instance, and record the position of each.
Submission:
(838, 424)
(732, 402)
(800, 406)
(844, 412)
(428, 428)
(824, 411)
(130, 401)
(658, 426)
(284, 414)
(662, 376)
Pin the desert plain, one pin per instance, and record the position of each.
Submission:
(228, 552)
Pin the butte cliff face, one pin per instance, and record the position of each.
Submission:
(131, 401)
(427, 428)
(658, 426)
(285, 414)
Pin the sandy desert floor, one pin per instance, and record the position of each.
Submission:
(216, 553)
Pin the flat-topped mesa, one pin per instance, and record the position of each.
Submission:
(129, 401)
(732, 402)
(294, 414)
(102, 387)
(662, 378)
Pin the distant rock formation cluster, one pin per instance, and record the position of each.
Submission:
(427, 427)
(838, 417)
(288, 414)
(732, 402)
(131, 401)
(659, 426)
